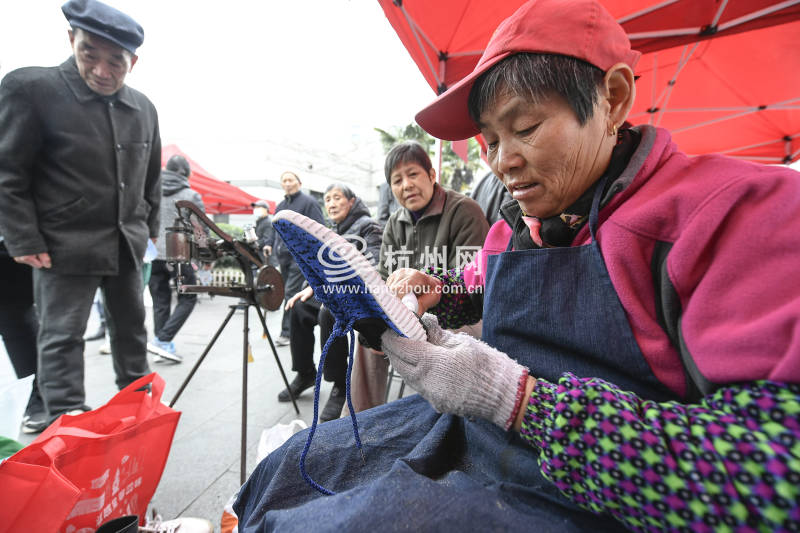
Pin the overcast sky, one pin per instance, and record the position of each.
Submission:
(227, 76)
(317, 72)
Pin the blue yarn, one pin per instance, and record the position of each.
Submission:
(359, 303)
(338, 331)
(347, 388)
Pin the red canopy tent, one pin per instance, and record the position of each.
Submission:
(219, 197)
(721, 75)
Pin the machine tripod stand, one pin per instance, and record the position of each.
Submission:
(263, 287)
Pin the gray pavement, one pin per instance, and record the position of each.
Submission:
(202, 471)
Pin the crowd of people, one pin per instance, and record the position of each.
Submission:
(604, 349)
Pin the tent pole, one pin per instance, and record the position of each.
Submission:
(643, 12)
(757, 14)
(439, 143)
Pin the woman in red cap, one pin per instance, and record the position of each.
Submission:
(645, 355)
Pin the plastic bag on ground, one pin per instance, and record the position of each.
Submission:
(272, 438)
(13, 400)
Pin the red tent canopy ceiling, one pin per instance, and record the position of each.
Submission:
(721, 75)
(219, 197)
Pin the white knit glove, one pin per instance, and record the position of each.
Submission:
(457, 373)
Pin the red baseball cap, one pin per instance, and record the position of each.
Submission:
(578, 28)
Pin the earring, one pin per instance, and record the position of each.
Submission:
(612, 131)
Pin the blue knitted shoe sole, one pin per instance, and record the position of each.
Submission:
(345, 281)
(342, 278)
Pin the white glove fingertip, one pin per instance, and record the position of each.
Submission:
(432, 328)
(429, 321)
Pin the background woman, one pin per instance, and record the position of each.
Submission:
(433, 223)
(435, 229)
(350, 218)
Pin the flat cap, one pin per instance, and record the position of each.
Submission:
(260, 203)
(105, 21)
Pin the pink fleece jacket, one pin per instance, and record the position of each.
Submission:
(735, 260)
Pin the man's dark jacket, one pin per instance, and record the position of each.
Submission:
(387, 203)
(265, 232)
(304, 204)
(76, 170)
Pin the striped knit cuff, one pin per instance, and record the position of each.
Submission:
(454, 308)
(523, 382)
(539, 409)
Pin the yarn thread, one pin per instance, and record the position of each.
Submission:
(338, 331)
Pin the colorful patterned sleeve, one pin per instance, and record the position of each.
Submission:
(729, 463)
(455, 307)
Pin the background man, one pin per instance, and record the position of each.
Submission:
(18, 326)
(166, 321)
(387, 203)
(491, 194)
(296, 200)
(264, 231)
(79, 169)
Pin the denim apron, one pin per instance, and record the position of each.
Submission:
(426, 471)
(579, 326)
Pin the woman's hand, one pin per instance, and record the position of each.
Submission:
(303, 295)
(426, 288)
(459, 374)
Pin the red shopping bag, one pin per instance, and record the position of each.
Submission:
(87, 469)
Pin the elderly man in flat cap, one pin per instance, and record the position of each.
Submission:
(80, 158)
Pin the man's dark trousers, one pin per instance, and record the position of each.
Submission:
(63, 303)
(304, 316)
(292, 283)
(18, 323)
(165, 324)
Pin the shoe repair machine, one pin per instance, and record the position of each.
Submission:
(187, 240)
